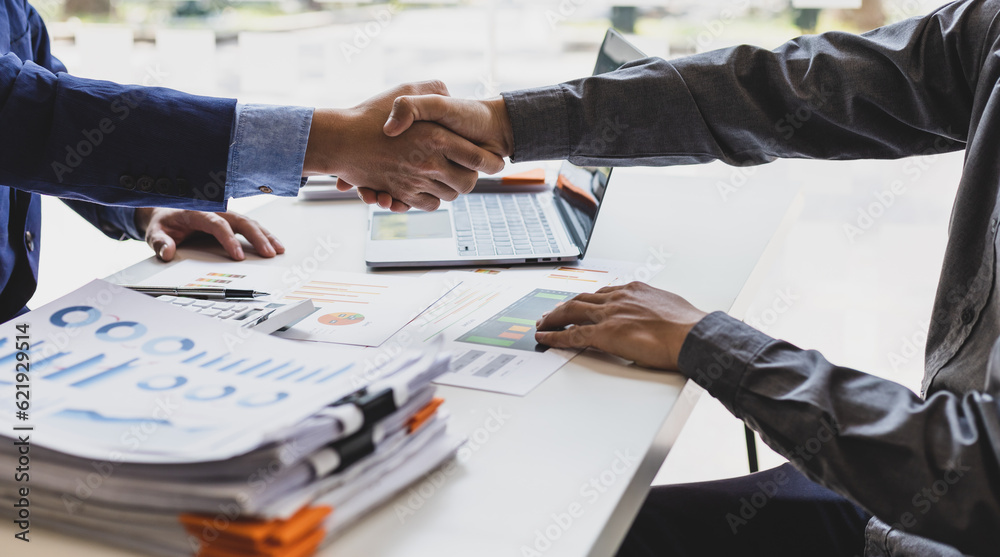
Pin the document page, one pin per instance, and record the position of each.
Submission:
(488, 324)
(351, 308)
(117, 374)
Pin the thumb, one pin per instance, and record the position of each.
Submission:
(408, 109)
(163, 244)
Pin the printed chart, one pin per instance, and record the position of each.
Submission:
(488, 325)
(514, 326)
(351, 308)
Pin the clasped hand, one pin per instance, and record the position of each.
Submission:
(418, 167)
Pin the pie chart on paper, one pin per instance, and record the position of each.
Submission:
(342, 318)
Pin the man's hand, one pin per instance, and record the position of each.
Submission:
(636, 322)
(485, 123)
(165, 228)
(417, 169)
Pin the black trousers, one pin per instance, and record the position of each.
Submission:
(774, 513)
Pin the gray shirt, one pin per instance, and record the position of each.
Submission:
(927, 467)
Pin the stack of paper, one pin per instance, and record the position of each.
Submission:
(169, 433)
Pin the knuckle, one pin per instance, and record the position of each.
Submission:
(438, 138)
(431, 203)
(477, 159)
(467, 185)
(435, 86)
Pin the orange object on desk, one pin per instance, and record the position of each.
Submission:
(297, 536)
(529, 177)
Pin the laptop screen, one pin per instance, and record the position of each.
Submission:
(580, 189)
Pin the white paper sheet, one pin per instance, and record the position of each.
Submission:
(352, 308)
(488, 323)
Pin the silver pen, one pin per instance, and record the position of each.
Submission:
(204, 292)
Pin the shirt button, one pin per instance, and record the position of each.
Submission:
(145, 183)
(29, 240)
(967, 315)
(127, 182)
(265, 189)
(163, 186)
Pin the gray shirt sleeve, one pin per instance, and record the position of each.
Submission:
(929, 467)
(901, 90)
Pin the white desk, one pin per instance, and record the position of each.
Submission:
(577, 425)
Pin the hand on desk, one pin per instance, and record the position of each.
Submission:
(165, 228)
(635, 321)
(417, 168)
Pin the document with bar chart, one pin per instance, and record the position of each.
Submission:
(488, 324)
(351, 308)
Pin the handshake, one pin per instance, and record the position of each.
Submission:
(411, 146)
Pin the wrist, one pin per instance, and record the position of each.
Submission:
(141, 218)
(498, 109)
(322, 148)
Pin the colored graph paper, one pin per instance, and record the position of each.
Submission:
(514, 326)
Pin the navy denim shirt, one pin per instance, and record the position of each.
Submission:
(927, 467)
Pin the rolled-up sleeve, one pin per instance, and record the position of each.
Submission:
(268, 150)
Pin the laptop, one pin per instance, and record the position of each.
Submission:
(502, 228)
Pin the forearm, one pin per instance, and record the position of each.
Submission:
(111, 144)
(867, 438)
(901, 90)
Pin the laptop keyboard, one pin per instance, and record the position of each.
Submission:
(502, 224)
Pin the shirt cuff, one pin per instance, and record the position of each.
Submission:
(268, 150)
(540, 121)
(124, 218)
(717, 353)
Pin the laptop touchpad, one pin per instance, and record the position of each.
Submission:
(413, 225)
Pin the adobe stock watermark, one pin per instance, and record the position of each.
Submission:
(655, 262)
(786, 127)
(487, 87)
(712, 29)
(365, 34)
(377, 365)
(611, 129)
(563, 11)
(750, 506)
(560, 522)
(255, 483)
(121, 108)
(738, 177)
(793, 121)
(418, 495)
(910, 347)
(768, 490)
(299, 274)
(914, 169)
(133, 437)
(782, 301)
(898, 10)
(925, 499)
